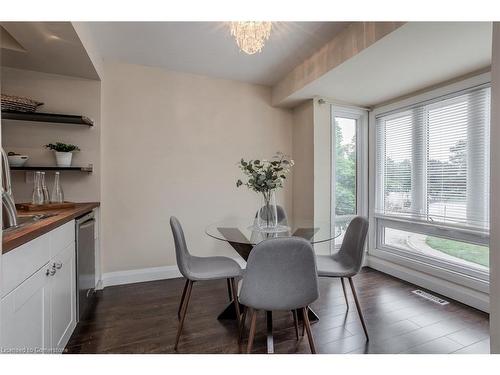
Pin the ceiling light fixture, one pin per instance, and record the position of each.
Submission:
(251, 35)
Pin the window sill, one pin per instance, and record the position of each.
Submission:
(463, 288)
(478, 283)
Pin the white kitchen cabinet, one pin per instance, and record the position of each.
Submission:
(38, 313)
(26, 315)
(63, 297)
(23, 261)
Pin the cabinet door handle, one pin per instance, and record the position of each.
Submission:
(57, 265)
(50, 272)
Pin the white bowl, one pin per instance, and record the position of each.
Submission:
(17, 160)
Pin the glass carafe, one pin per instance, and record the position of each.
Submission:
(45, 191)
(57, 192)
(37, 196)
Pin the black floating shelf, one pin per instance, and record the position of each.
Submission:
(87, 168)
(47, 117)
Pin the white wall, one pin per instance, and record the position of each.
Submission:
(313, 170)
(303, 156)
(170, 144)
(495, 195)
(61, 94)
(322, 168)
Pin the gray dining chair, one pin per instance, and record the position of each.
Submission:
(195, 268)
(280, 275)
(347, 262)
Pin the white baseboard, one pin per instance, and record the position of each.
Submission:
(66, 337)
(139, 275)
(457, 292)
(99, 285)
(145, 274)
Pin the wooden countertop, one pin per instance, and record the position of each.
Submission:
(17, 237)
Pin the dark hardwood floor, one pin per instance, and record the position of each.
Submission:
(142, 318)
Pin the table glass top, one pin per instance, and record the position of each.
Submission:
(244, 231)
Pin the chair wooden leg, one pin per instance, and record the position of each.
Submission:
(235, 301)
(358, 308)
(345, 293)
(229, 292)
(182, 299)
(251, 334)
(303, 328)
(242, 325)
(183, 313)
(308, 329)
(296, 323)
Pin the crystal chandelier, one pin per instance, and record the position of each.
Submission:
(251, 36)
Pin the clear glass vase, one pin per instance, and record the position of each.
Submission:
(267, 218)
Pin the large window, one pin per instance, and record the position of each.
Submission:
(349, 127)
(432, 188)
(345, 166)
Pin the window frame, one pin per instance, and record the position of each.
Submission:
(469, 276)
(435, 231)
(361, 116)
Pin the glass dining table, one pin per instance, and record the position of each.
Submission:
(243, 235)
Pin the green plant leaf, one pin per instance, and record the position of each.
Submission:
(62, 147)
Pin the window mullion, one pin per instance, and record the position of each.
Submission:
(418, 167)
(477, 184)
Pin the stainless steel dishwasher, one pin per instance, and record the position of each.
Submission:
(85, 262)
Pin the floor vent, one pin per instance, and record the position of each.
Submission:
(430, 297)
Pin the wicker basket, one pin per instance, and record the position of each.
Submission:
(19, 103)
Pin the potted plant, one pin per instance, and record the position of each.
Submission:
(64, 153)
(265, 177)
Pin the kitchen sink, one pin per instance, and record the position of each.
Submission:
(23, 220)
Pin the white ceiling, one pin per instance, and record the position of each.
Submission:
(207, 48)
(50, 47)
(415, 56)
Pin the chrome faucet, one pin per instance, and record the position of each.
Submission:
(9, 212)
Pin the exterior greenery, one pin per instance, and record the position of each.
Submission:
(466, 251)
(345, 174)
